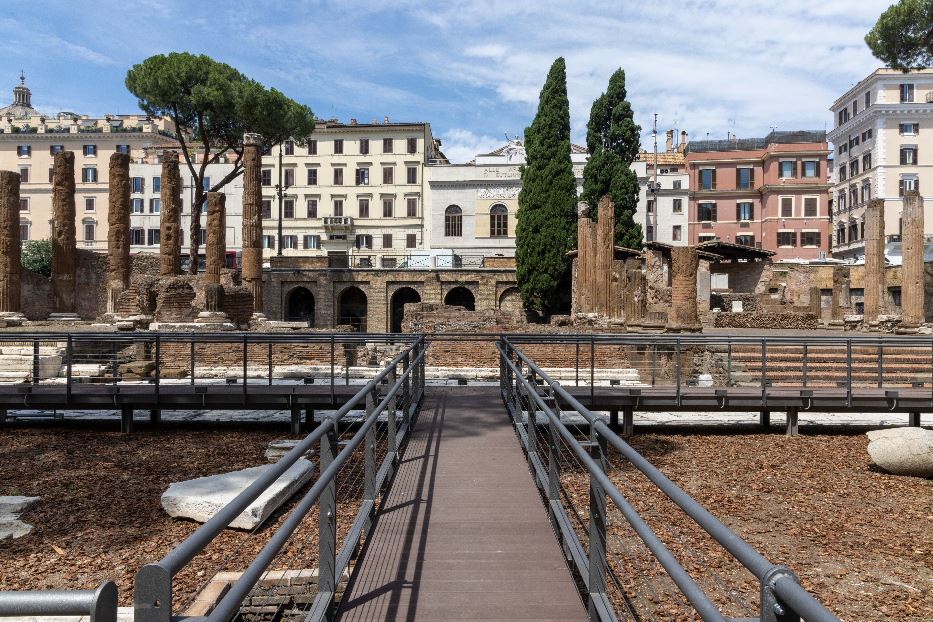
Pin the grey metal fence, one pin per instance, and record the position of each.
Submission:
(529, 392)
(99, 604)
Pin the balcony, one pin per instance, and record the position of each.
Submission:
(335, 224)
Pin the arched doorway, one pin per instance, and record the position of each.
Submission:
(510, 300)
(300, 306)
(401, 297)
(352, 308)
(461, 297)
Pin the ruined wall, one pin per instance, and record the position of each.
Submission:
(745, 277)
(764, 320)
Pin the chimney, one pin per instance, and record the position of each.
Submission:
(683, 140)
(670, 140)
(373, 122)
(352, 121)
(385, 119)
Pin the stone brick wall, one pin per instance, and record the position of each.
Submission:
(787, 321)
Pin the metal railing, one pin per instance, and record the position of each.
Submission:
(99, 604)
(782, 597)
(393, 395)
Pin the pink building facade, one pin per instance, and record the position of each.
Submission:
(770, 193)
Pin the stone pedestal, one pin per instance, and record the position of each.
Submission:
(63, 234)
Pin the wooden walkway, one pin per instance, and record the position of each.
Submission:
(463, 533)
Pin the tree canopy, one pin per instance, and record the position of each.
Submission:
(612, 138)
(902, 38)
(212, 106)
(547, 203)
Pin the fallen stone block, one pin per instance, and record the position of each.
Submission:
(199, 499)
(902, 451)
(279, 448)
(10, 509)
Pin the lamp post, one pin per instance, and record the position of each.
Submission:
(280, 189)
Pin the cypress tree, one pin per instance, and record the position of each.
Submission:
(612, 138)
(547, 203)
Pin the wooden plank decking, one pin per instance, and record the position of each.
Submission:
(463, 533)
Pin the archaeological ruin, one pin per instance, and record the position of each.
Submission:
(63, 236)
(118, 231)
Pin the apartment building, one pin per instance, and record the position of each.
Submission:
(29, 141)
(770, 193)
(351, 190)
(883, 141)
(662, 208)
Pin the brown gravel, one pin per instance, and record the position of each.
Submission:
(860, 540)
(100, 517)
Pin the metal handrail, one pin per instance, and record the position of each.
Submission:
(153, 583)
(773, 577)
(99, 604)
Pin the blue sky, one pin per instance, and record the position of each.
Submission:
(472, 69)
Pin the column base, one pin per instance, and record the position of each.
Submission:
(12, 318)
(64, 317)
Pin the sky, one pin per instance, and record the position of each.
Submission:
(473, 69)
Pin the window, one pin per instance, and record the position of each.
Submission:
(744, 211)
(787, 207)
(23, 231)
(90, 203)
(676, 233)
(499, 221)
(312, 176)
(24, 204)
(23, 151)
(907, 93)
(202, 236)
(866, 161)
(412, 174)
(811, 168)
(123, 149)
(386, 240)
(24, 174)
(841, 234)
(362, 177)
(364, 208)
(866, 190)
(289, 241)
(676, 184)
(90, 232)
(89, 175)
(266, 208)
(706, 212)
(412, 145)
(51, 175)
(853, 195)
(137, 237)
(411, 240)
(745, 239)
(650, 206)
(364, 146)
(338, 145)
(811, 206)
(649, 233)
(787, 238)
(853, 168)
(411, 207)
(388, 208)
(908, 129)
(136, 206)
(843, 148)
(744, 178)
(153, 237)
(842, 172)
(288, 148)
(157, 184)
(288, 209)
(312, 208)
(809, 238)
(908, 184)
(867, 99)
(787, 169)
(338, 207)
(265, 177)
(53, 149)
(268, 241)
(338, 176)
(90, 151)
(707, 179)
(453, 221)
(387, 145)
(136, 185)
(387, 175)
(155, 206)
(854, 107)
(312, 147)
(706, 237)
(908, 155)
(841, 201)
(364, 241)
(312, 241)
(678, 206)
(289, 175)
(866, 135)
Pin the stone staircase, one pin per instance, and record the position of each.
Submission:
(18, 365)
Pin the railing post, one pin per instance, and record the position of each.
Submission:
(772, 609)
(369, 457)
(729, 363)
(332, 363)
(158, 364)
(192, 362)
(880, 363)
(805, 360)
(592, 369)
(597, 528)
(391, 421)
(327, 524)
(245, 361)
(35, 361)
(848, 372)
(152, 594)
(553, 471)
(69, 349)
(677, 371)
(269, 359)
(577, 368)
(764, 374)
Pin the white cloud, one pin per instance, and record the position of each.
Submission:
(460, 145)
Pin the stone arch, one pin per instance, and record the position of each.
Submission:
(461, 297)
(510, 300)
(299, 306)
(401, 297)
(352, 308)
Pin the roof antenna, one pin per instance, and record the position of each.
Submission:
(22, 77)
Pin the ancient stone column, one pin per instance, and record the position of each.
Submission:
(683, 312)
(583, 265)
(252, 218)
(912, 272)
(10, 265)
(215, 251)
(118, 230)
(840, 293)
(605, 252)
(634, 302)
(63, 234)
(170, 221)
(874, 260)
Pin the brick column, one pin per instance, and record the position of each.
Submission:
(170, 216)
(10, 264)
(118, 229)
(63, 234)
(683, 312)
(912, 272)
(874, 259)
(252, 218)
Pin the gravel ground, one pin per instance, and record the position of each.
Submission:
(860, 540)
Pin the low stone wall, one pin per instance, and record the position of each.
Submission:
(784, 321)
(723, 301)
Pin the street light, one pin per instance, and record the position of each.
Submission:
(280, 189)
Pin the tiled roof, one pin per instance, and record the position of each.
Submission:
(664, 157)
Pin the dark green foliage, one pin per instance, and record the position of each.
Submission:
(37, 256)
(902, 37)
(612, 138)
(547, 203)
(213, 105)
